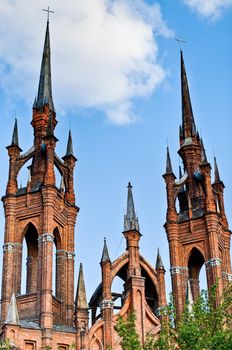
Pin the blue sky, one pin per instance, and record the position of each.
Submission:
(116, 81)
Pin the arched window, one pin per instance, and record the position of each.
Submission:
(58, 265)
(117, 293)
(195, 263)
(58, 178)
(150, 291)
(23, 176)
(29, 281)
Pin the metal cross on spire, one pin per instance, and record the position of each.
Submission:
(48, 12)
(180, 41)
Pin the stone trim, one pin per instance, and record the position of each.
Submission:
(227, 276)
(64, 254)
(107, 304)
(70, 255)
(12, 247)
(61, 251)
(212, 263)
(46, 237)
(178, 270)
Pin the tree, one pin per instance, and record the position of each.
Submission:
(4, 344)
(204, 326)
(126, 330)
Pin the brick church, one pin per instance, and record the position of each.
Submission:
(45, 216)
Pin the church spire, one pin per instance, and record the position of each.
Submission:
(44, 95)
(188, 123)
(131, 221)
(81, 300)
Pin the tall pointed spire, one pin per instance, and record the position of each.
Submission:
(12, 314)
(81, 300)
(159, 262)
(216, 171)
(188, 123)
(105, 253)
(15, 138)
(131, 221)
(168, 163)
(45, 83)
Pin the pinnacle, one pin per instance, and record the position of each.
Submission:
(216, 171)
(159, 262)
(69, 150)
(15, 138)
(12, 314)
(105, 253)
(131, 221)
(81, 300)
(168, 163)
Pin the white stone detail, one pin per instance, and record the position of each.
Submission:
(178, 270)
(12, 246)
(70, 255)
(107, 304)
(227, 276)
(46, 237)
(212, 263)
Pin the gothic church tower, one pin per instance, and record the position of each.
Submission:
(44, 215)
(197, 231)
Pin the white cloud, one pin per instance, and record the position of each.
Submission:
(104, 52)
(209, 8)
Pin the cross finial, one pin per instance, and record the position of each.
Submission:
(48, 12)
(180, 41)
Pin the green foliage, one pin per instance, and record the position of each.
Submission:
(208, 327)
(204, 327)
(127, 332)
(5, 344)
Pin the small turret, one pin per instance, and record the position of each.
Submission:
(81, 314)
(69, 149)
(168, 163)
(81, 300)
(105, 253)
(131, 221)
(12, 314)
(159, 262)
(15, 137)
(216, 171)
